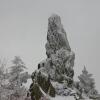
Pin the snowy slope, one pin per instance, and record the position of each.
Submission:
(63, 98)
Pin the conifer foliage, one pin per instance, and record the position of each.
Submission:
(87, 84)
(11, 81)
(19, 76)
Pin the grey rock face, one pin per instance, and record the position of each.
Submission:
(58, 67)
(61, 58)
(56, 36)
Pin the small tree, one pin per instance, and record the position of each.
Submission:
(86, 83)
(18, 76)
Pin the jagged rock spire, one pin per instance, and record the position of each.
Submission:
(56, 36)
(58, 66)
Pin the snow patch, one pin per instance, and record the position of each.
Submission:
(63, 98)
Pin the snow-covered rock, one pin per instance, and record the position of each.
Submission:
(57, 68)
(53, 80)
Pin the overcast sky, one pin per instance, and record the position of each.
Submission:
(23, 30)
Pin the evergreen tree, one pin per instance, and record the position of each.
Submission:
(18, 77)
(86, 83)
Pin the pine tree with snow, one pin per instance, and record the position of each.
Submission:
(18, 76)
(87, 84)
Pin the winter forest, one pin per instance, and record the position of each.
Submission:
(54, 77)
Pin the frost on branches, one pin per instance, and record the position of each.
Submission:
(86, 85)
(11, 82)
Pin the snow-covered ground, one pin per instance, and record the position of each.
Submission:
(27, 85)
(63, 98)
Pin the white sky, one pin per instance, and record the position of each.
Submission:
(23, 30)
